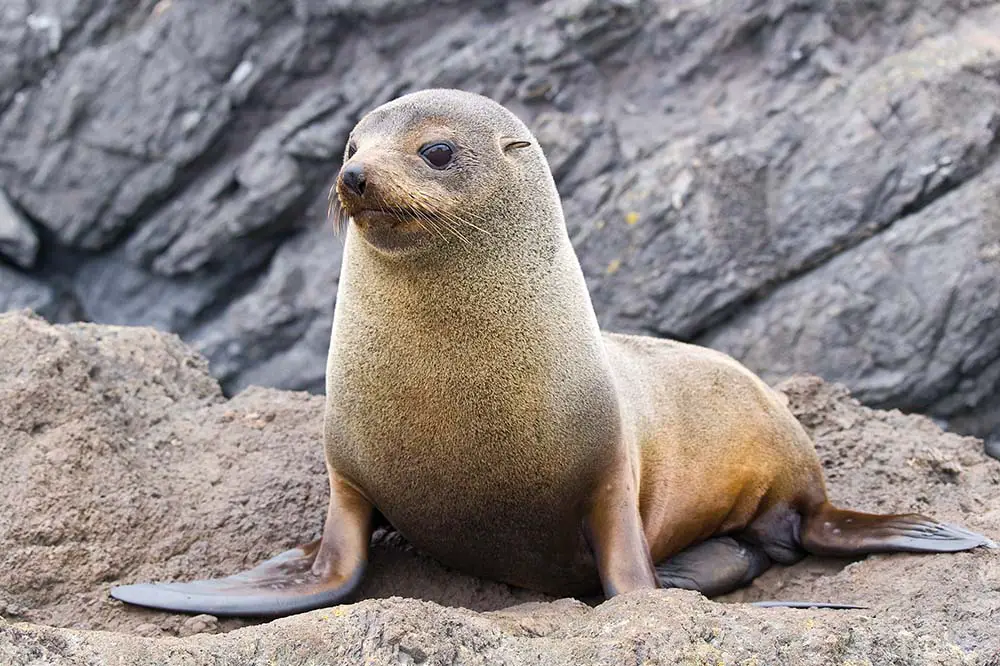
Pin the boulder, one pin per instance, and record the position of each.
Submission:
(123, 461)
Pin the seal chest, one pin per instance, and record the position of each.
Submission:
(468, 440)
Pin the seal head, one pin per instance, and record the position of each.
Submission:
(420, 172)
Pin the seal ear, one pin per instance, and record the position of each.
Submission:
(510, 143)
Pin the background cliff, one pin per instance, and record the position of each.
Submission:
(811, 185)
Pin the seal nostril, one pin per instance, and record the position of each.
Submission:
(353, 177)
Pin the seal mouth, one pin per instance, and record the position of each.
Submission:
(368, 216)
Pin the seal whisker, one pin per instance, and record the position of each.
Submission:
(430, 223)
(448, 221)
(430, 206)
(418, 202)
(336, 207)
(449, 215)
(469, 224)
(473, 215)
(411, 209)
(450, 226)
(400, 215)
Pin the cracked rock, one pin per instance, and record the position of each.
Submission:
(18, 241)
(925, 280)
(174, 160)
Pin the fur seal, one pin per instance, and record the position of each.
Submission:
(474, 403)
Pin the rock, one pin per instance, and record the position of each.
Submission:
(708, 154)
(199, 624)
(756, 209)
(18, 241)
(123, 462)
(19, 291)
(32, 35)
(275, 333)
(88, 153)
(578, 148)
(931, 279)
(993, 447)
(245, 199)
(13, 610)
(632, 629)
(148, 630)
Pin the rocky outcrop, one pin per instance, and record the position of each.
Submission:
(123, 461)
(667, 627)
(751, 175)
(931, 279)
(122, 458)
(18, 241)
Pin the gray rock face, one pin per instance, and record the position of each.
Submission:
(725, 169)
(18, 242)
(931, 280)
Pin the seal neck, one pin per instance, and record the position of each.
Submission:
(524, 285)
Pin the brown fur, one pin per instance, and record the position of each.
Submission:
(470, 426)
(474, 402)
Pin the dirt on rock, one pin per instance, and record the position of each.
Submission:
(121, 461)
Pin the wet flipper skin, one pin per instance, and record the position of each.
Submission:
(714, 567)
(837, 532)
(282, 585)
(319, 574)
(723, 564)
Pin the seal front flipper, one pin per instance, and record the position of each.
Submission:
(319, 574)
(838, 532)
(282, 585)
(614, 530)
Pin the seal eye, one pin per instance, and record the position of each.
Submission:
(438, 155)
(351, 149)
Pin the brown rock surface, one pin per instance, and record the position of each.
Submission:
(120, 461)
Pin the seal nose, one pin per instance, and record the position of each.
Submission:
(353, 177)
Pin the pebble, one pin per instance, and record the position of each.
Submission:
(149, 630)
(199, 624)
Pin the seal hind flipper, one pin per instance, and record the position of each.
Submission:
(839, 532)
(282, 585)
(714, 567)
(723, 564)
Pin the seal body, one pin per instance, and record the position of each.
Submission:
(473, 401)
(473, 438)
(717, 448)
